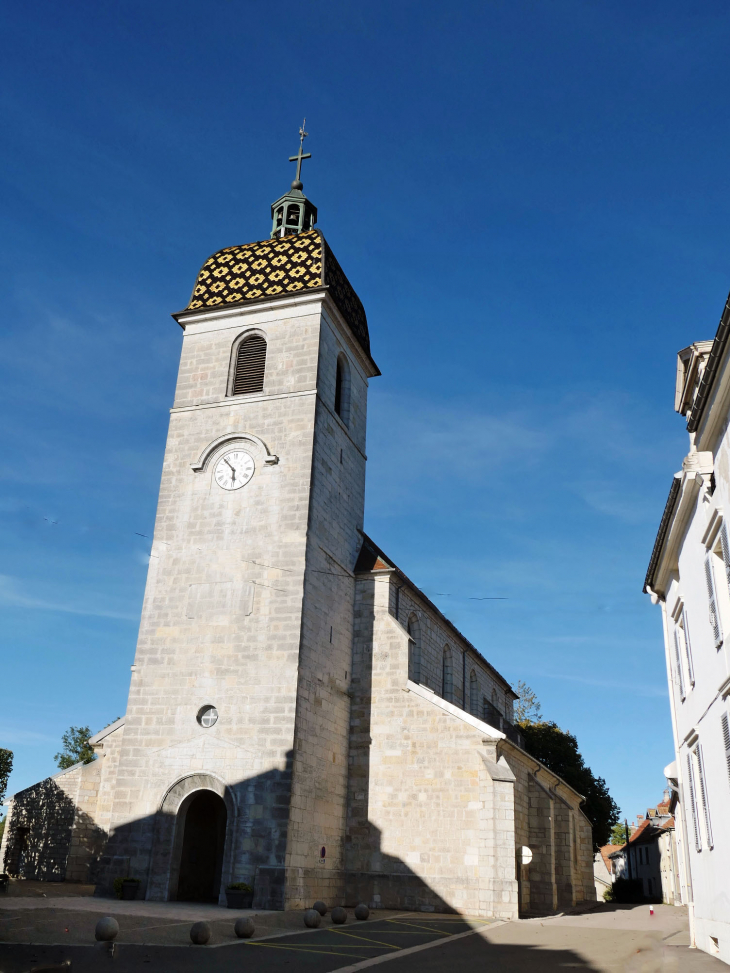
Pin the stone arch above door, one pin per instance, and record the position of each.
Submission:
(166, 831)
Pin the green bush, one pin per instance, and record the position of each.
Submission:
(239, 887)
(118, 884)
(609, 895)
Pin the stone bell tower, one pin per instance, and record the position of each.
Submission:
(233, 765)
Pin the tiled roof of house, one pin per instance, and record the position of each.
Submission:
(607, 850)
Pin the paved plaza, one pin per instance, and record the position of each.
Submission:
(42, 924)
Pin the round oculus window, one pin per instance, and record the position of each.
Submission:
(207, 716)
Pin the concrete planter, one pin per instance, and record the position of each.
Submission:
(129, 891)
(237, 899)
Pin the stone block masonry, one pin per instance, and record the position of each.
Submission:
(300, 716)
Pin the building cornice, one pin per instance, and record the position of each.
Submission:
(662, 532)
(675, 519)
(709, 376)
(319, 295)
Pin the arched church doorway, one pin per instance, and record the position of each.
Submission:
(201, 855)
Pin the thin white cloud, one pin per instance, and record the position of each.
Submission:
(624, 686)
(427, 455)
(19, 737)
(12, 595)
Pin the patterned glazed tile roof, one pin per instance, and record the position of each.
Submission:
(268, 268)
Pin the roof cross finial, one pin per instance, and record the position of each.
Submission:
(300, 156)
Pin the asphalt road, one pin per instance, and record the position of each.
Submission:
(609, 940)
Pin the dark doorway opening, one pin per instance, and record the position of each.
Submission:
(201, 857)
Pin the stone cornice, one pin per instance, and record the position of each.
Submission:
(677, 513)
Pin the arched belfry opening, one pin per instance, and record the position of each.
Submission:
(201, 838)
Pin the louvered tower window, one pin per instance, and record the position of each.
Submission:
(250, 366)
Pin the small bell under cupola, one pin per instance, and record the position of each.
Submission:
(293, 213)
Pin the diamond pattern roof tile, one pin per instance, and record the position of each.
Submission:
(268, 268)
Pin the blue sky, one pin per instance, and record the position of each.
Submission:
(531, 200)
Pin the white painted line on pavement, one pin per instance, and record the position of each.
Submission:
(417, 949)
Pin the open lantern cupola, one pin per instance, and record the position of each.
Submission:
(293, 212)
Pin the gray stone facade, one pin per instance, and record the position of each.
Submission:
(336, 768)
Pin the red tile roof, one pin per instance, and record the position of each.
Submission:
(607, 850)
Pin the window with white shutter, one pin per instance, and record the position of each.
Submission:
(693, 802)
(725, 723)
(725, 545)
(712, 598)
(678, 663)
(684, 626)
(703, 793)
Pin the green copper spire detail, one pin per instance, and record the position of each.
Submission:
(293, 212)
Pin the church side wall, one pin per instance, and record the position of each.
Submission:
(427, 825)
(417, 835)
(549, 822)
(221, 620)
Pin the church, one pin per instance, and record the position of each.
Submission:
(301, 717)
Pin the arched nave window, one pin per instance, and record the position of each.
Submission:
(447, 676)
(414, 647)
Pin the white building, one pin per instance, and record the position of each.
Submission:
(689, 577)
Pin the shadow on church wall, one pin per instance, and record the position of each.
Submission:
(161, 849)
(50, 837)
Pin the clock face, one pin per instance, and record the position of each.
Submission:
(233, 470)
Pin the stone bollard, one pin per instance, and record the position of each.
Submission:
(312, 919)
(320, 907)
(339, 916)
(199, 933)
(244, 928)
(106, 930)
(361, 911)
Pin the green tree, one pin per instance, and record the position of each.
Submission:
(6, 765)
(76, 749)
(528, 706)
(558, 750)
(620, 834)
